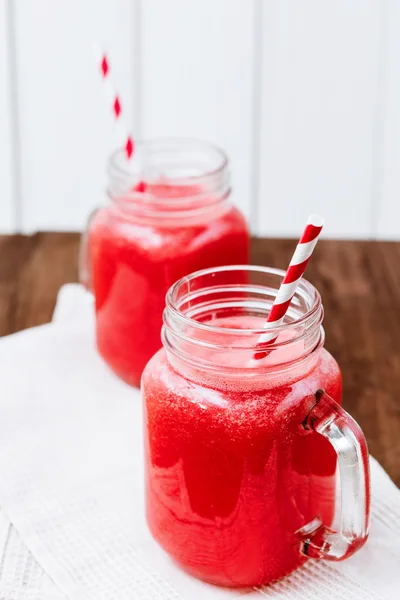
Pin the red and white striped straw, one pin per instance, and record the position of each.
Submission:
(294, 273)
(125, 140)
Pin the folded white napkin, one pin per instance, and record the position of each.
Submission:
(74, 304)
(71, 484)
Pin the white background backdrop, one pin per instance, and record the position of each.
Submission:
(303, 94)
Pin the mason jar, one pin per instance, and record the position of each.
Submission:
(246, 443)
(169, 214)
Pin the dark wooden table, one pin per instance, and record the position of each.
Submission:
(360, 287)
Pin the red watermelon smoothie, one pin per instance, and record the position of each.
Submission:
(231, 475)
(146, 239)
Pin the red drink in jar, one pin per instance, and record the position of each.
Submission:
(241, 454)
(169, 215)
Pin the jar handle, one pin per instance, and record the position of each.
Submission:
(84, 266)
(330, 420)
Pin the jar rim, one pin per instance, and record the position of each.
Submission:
(184, 178)
(304, 285)
(118, 163)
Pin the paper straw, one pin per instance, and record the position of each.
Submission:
(294, 273)
(125, 140)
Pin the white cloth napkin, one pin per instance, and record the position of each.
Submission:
(71, 485)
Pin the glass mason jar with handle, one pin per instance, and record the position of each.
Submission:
(170, 214)
(244, 457)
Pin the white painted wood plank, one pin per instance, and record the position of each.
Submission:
(197, 77)
(7, 213)
(319, 95)
(387, 221)
(66, 126)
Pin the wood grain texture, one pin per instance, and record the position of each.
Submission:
(360, 287)
(32, 269)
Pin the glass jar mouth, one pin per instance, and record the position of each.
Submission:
(121, 167)
(304, 289)
(214, 319)
(169, 175)
(214, 322)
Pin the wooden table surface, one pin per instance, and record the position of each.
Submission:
(360, 287)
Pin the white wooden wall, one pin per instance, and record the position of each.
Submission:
(304, 96)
